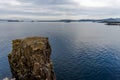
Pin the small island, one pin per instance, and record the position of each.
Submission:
(30, 59)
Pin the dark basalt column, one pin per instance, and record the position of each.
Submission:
(30, 59)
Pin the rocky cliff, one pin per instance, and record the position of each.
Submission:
(30, 59)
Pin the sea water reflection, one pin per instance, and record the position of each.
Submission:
(80, 51)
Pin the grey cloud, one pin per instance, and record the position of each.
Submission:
(55, 8)
(37, 8)
(47, 2)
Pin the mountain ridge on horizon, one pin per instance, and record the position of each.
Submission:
(64, 20)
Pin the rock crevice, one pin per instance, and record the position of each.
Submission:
(30, 59)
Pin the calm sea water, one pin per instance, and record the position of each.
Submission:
(80, 51)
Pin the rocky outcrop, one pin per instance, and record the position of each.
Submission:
(30, 59)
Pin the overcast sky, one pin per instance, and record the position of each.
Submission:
(59, 9)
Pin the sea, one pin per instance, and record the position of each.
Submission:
(80, 50)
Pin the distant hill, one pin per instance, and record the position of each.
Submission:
(111, 20)
(108, 20)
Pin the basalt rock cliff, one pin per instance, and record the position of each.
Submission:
(30, 59)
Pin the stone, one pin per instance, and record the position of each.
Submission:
(30, 59)
(9, 79)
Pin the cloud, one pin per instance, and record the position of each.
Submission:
(59, 9)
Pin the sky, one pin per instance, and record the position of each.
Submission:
(59, 9)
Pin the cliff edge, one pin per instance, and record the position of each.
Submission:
(30, 59)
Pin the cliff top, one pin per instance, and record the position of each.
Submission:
(34, 42)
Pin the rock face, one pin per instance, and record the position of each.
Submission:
(30, 59)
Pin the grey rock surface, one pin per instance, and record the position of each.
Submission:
(30, 59)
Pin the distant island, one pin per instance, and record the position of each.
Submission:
(108, 21)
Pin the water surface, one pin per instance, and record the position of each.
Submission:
(80, 51)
